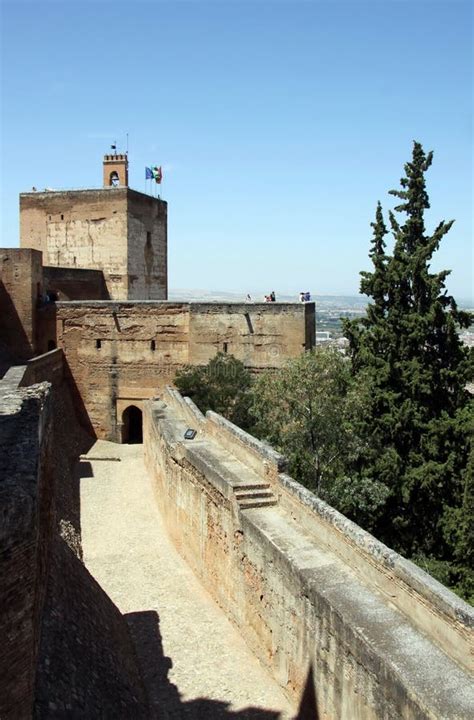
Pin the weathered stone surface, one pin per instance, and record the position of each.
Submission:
(116, 230)
(122, 353)
(66, 650)
(311, 593)
(26, 526)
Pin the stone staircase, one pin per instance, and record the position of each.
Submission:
(257, 495)
(249, 490)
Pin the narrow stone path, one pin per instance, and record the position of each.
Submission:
(194, 662)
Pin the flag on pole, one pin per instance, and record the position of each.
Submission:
(148, 174)
(157, 174)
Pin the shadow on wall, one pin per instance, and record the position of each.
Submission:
(13, 335)
(163, 696)
(87, 666)
(79, 407)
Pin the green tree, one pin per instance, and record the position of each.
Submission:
(310, 411)
(222, 385)
(408, 349)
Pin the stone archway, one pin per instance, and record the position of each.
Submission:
(132, 425)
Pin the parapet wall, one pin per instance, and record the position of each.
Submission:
(311, 592)
(44, 368)
(65, 649)
(26, 496)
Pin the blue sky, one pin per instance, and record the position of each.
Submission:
(278, 124)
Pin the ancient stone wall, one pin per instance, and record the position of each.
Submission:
(75, 283)
(147, 247)
(44, 368)
(122, 353)
(261, 335)
(26, 525)
(20, 288)
(314, 595)
(80, 229)
(65, 650)
(118, 231)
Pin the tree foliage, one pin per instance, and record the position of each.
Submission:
(310, 411)
(408, 349)
(222, 385)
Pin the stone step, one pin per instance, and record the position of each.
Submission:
(254, 494)
(247, 504)
(250, 486)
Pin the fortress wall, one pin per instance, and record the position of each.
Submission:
(65, 650)
(147, 247)
(26, 497)
(75, 283)
(44, 368)
(79, 229)
(125, 369)
(261, 335)
(435, 610)
(313, 595)
(21, 282)
(428, 604)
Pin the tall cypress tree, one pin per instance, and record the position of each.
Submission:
(408, 349)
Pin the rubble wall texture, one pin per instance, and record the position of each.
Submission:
(122, 353)
(26, 526)
(313, 595)
(65, 649)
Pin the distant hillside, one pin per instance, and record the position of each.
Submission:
(335, 301)
(339, 302)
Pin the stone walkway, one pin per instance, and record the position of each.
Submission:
(194, 662)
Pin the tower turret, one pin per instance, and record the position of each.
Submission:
(116, 170)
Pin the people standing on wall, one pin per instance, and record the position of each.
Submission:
(272, 296)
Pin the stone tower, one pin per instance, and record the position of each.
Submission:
(114, 229)
(115, 170)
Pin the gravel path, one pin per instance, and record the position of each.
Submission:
(194, 662)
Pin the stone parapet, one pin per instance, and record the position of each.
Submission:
(313, 594)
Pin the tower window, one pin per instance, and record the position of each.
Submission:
(148, 239)
(98, 344)
(114, 179)
(153, 345)
(62, 217)
(226, 346)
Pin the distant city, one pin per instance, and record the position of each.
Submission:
(329, 309)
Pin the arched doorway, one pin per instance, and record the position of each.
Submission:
(132, 425)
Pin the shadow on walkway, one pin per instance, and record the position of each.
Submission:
(163, 696)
